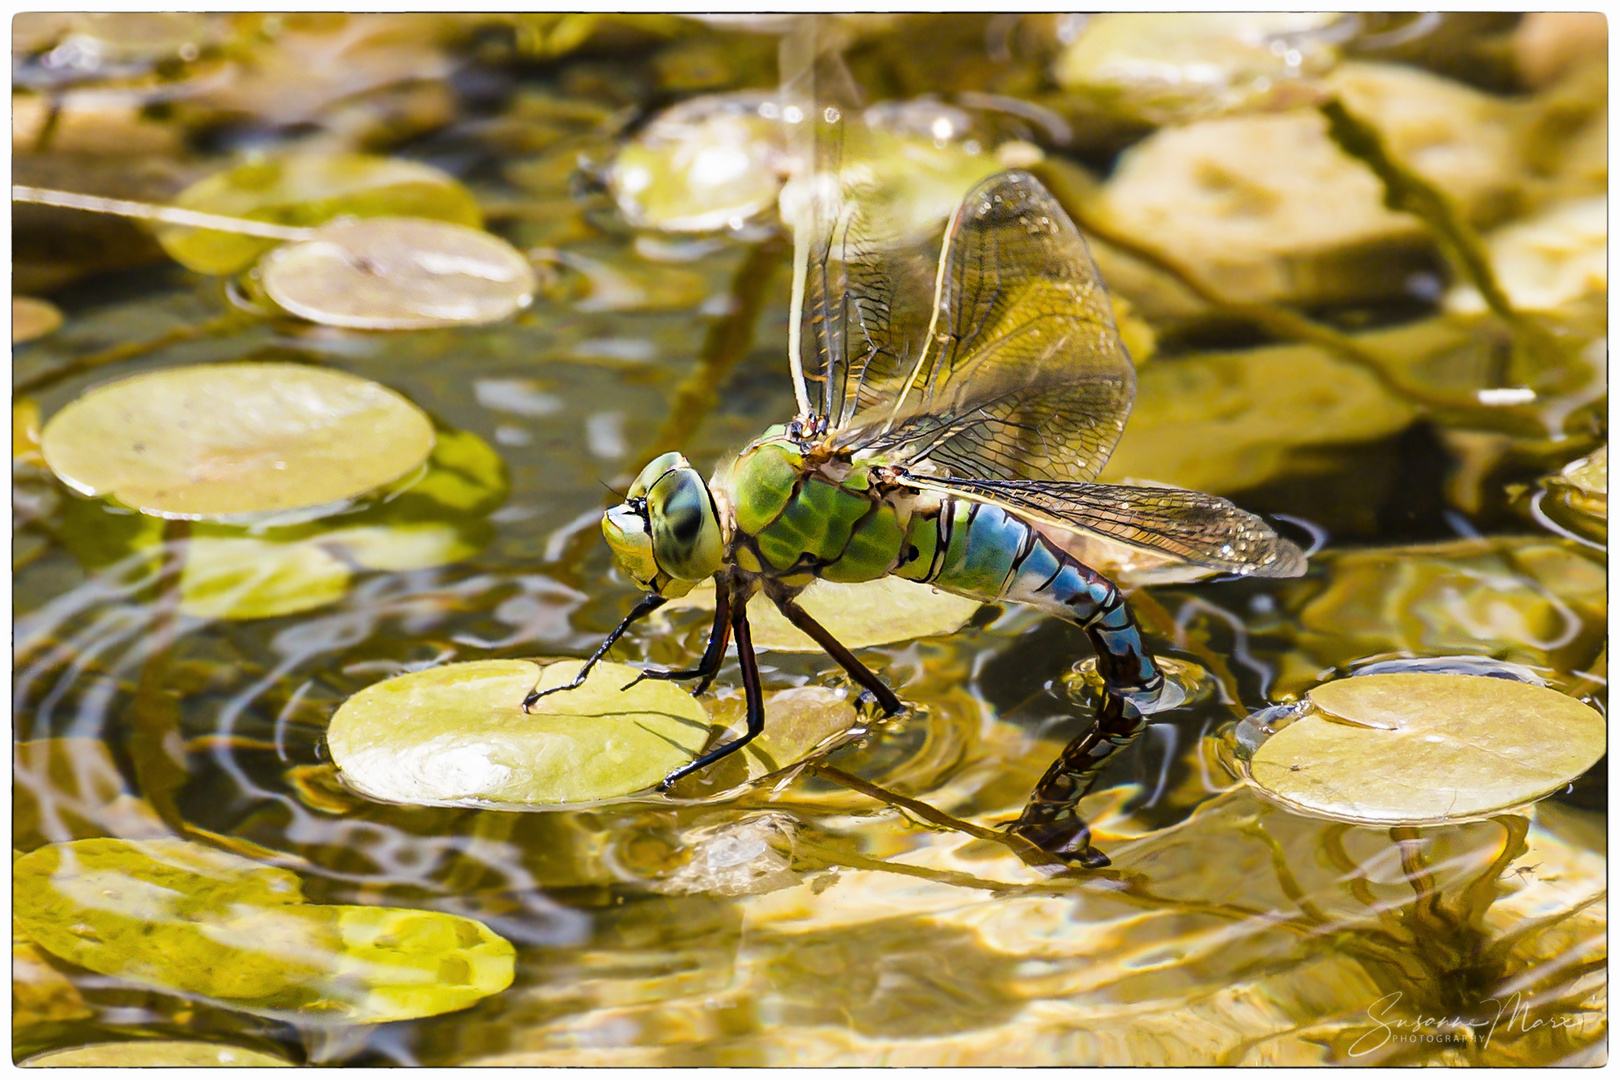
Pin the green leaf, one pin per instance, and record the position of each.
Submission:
(307, 189)
(457, 735)
(399, 273)
(155, 1053)
(219, 440)
(1422, 748)
(241, 577)
(880, 612)
(180, 916)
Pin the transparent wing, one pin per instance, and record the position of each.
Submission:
(1202, 529)
(1018, 372)
(869, 293)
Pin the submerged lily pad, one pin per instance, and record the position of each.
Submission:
(399, 273)
(879, 612)
(1547, 261)
(155, 1053)
(181, 916)
(307, 189)
(1421, 748)
(31, 318)
(216, 440)
(458, 736)
(242, 577)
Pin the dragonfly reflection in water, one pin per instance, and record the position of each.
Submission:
(969, 394)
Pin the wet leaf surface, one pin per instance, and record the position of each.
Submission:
(864, 614)
(458, 735)
(156, 1053)
(216, 440)
(31, 318)
(396, 273)
(1406, 749)
(178, 915)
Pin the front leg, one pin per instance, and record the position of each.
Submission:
(713, 656)
(649, 603)
(858, 671)
(753, 693)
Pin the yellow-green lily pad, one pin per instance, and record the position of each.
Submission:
(155, 1053)
(180, 916)
(399, 273)
(800, 723)
(879, 612)
(31, 318)
(221, 440)
(1423, 748)
(458, 736)
(307, 189)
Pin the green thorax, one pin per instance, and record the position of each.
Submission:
(795, 520)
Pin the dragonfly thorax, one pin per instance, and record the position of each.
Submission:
(666, 534)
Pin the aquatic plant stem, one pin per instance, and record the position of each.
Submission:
(129, 350)
(168, 215)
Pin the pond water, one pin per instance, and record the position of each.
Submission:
(1337, 382)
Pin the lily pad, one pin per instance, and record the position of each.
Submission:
(800, 723)
(1172, 68)
(879, 612)
(219, 440)
(180, 916)
(155, 1053)
(458, 736)
(398, 273)
(31, 318)
(1421, 748)
(1547, 261)
(307, 189)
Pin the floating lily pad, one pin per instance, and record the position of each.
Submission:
(32, 319)
(398, 273)
(1171, 68)
(879, 612)
(1547, 261)
(180, 916)
(217, 440)
(155, 1053)
(458, 736)
(1420, 748)
(799, 723)
(307, 189)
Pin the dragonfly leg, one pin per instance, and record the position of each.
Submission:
(752, 692)
(713, 655)
(858, 671)
(649, 603)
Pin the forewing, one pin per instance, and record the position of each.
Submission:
(869, 294)
(1202, 529)
(1023, 375)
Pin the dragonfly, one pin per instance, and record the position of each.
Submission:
(958, 398)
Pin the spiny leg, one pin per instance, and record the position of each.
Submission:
(1129, 676)
(858, 671)
(649, 603)
(752, 692)
(713, 655)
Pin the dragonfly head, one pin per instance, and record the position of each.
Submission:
(666, 534)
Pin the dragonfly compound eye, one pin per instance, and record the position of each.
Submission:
(627, 536)
(685, 529)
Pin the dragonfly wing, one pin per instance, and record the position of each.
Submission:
(1021, 374)
(868, 298)
(1201, 529)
